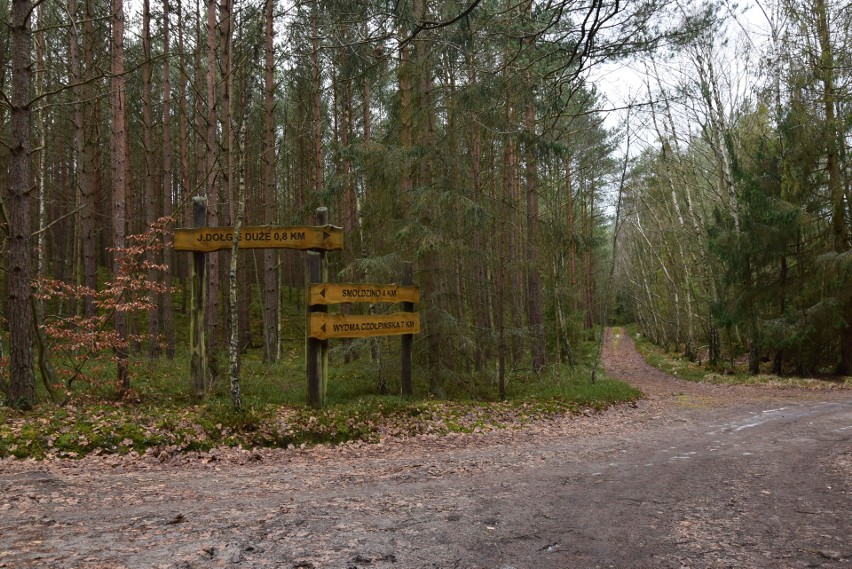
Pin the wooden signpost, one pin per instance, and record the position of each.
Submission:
(320, 325)
(201, 240)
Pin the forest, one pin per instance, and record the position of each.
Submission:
(708, 199)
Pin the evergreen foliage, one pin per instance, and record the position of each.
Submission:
(741, 229)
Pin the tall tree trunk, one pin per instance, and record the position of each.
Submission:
(168, 187)
(41, 156)
(271, 342)
(150, 195)
(75, 68)
(571, 217)
(233, 343)
(500, 286)
(347, 205)
(563, 340)
(118, 100)
(200, 154)
(588, 214)
(5, 40)
(350, 204)
(226, 112)
(48, 374)
(318, 179)
(83, 139)
(226, 152)
(481, 309)
(535, 311)
(432, 280)
(211, 316)
(97, 201)
(375, 342)
(186, 185)
(406, 126)
(21, 371)
(513, 224)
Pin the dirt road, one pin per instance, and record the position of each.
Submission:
(695, 476)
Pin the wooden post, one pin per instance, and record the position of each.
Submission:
(198, 286)
(317, 350)
(312, 275)
(406, 339)
(322, 219)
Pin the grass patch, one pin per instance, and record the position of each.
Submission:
(160, 416)
(679, 366)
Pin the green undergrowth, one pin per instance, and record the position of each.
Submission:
(159, 416)
(362, 402)
(678, 365)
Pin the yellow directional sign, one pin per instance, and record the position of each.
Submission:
(207, 239)
(323, 326)
(336, 293)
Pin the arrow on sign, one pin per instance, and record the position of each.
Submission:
(322, 292)
(325, 235)
(323, 327)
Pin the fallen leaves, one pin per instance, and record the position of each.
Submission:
(151, 433)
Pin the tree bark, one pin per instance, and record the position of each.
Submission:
(82, 92)
(571, 217)
(41, 157)
(513, 225)
(5, 41)
(535, 311)
(318, 180)
(271, 342)
(500, 286)
(150, 196)
(168, 205)
(431, 279)
(588, 215)
(212, 152)
(225, 116)
(233, 343)
(185, 185)
(118, 100)
(21, 370)
(481, 309)
(198, 296)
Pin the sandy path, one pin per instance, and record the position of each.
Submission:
(694, 476)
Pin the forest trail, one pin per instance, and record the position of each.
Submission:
(698, 476)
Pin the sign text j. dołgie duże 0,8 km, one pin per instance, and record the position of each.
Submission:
(208, 239)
